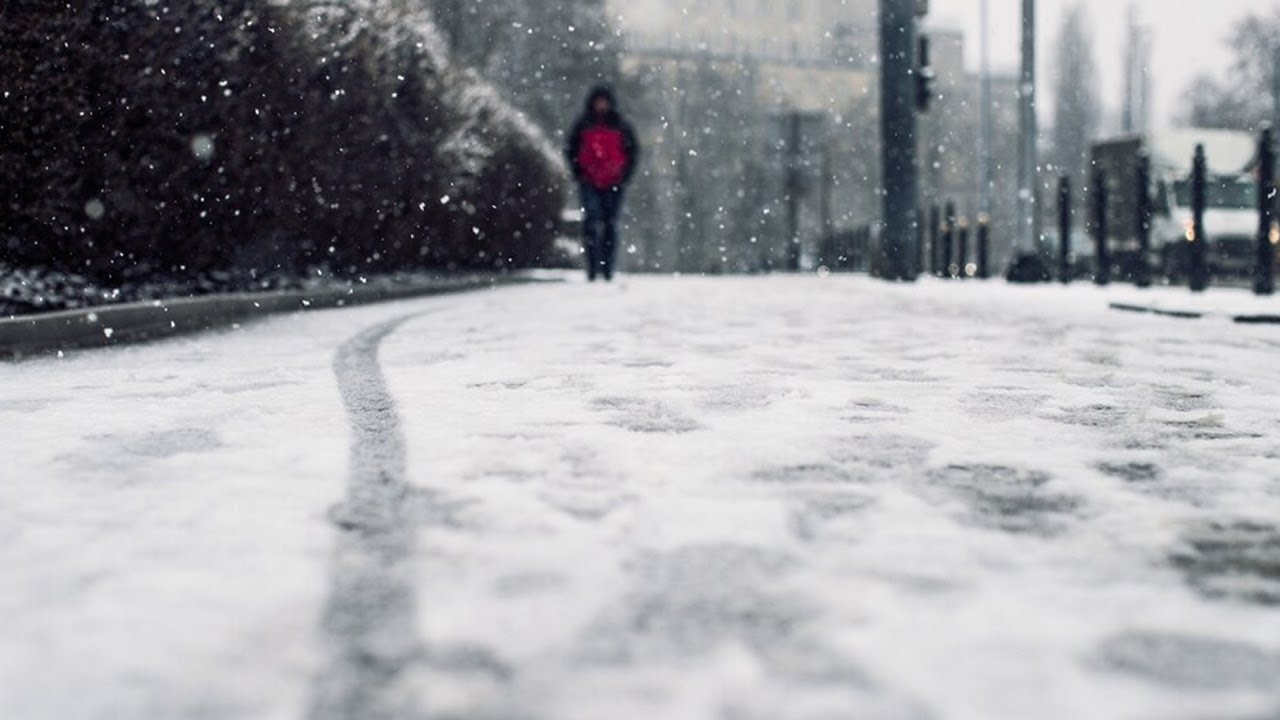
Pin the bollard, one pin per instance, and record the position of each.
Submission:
(919, 266)
(960, 268)
(1264, 282)
(1142, 268)
(1102, 259)
(1064, 230)
(948, 240)
(899, 137)
(1198, 239)
(935, 222)
(984, 247)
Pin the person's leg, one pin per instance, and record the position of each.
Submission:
(592, 262)
(609, 249)
(593, 211)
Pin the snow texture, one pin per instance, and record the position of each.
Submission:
(681, 498)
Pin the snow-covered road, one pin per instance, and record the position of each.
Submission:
(738, 499)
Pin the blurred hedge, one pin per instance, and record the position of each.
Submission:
(141, 136)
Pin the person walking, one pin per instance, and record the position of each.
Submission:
(602, 150)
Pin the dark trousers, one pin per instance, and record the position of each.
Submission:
(600, 229)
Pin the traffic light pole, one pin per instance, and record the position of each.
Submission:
(1029, 132)
(985, 142)
(1264, 281)
(1199, 237)
(898, 97)
(793, 191)
(1142, 183)
(1275, 92)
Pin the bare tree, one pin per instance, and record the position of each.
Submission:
(1243, 100)
(544, 56)
(1077, 110)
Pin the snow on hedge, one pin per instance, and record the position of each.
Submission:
(141, 138)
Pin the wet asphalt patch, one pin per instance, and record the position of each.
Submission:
(803, 475)
(870, 454)
(1013, 500)
(1236, 560)
(1093, 416)
(1189, 661)
(641, 415)
(1133, 472)
(117, 453)
(166, 443)
(369, 617)
(691, 598)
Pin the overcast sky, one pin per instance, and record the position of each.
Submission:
(1189, 38)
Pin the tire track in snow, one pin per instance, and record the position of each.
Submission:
(369, 616)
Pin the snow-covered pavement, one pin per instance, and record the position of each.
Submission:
(738, 499)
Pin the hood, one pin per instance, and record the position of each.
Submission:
(601, 91)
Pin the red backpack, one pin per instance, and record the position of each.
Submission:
(603, 157)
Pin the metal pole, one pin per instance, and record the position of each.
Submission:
(901, 192)
(1064, 229)
(1264, 282)
(948, 239)
(935, 222)
(984, 247)
(1130, 72)
(793, 192)
(1275, 91)
(1102, 250)
(1198, 239)
(828, 189)
(918, 267)
(1275, 121)
(962, 250)
(1142, 268)
(1029, 132)
(924, 82)
(986, 142)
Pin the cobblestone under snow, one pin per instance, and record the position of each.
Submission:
(737, 498)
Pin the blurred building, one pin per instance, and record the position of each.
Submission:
(751, 103)
(951, 140)
(725, 80)
(812, 54)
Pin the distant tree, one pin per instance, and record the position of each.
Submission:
(543, 55)
(1078, 111)
(1243, 99)
(475, 31)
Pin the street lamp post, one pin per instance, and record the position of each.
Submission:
(1028, 131)
(793, 191)
(985, 142)
(1275, 91)
(898, 100)
(1264, 282)
(1199, 237)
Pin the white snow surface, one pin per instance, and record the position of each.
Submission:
(682, 498)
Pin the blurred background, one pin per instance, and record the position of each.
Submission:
(149, 148)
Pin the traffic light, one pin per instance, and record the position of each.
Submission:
(925, 75)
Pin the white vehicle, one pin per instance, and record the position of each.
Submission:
(1231, 216)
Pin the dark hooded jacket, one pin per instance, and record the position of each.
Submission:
(588, 121)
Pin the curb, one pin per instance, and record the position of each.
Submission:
(1189, 315)
(113, 325)
(1257, 319)
(1179, 314)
